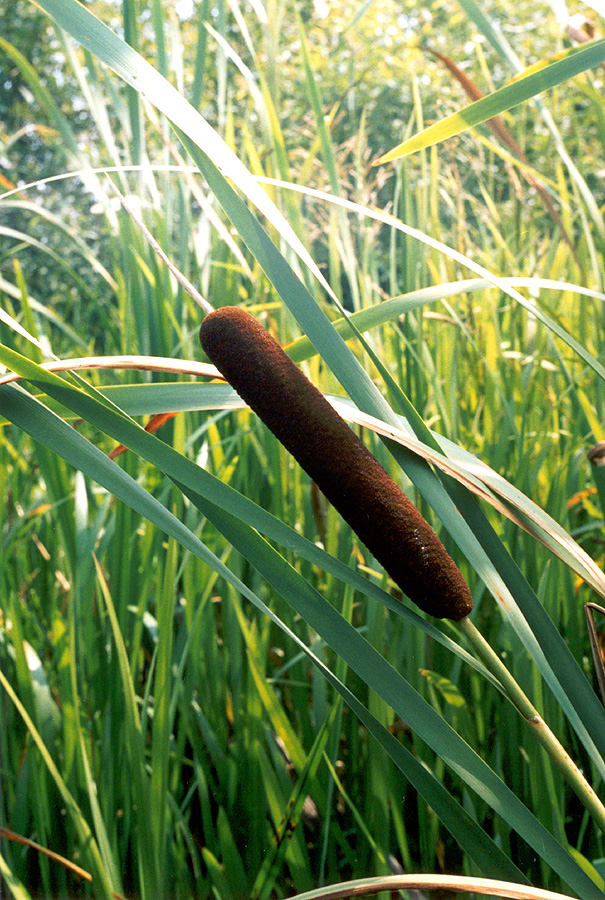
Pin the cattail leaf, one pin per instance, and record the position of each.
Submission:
(389, 684)
(575, 60)
(103, 43)
(44, 426)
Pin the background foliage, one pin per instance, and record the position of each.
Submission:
(196, 748)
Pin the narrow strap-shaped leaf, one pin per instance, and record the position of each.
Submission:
(396, 691)
(574, 61)
(87, 841)
(47, 428)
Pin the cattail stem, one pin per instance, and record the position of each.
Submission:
(536, 723)
(339, 463)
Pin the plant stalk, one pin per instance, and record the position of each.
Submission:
(536, 723)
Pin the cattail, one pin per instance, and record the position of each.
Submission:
(333, 456)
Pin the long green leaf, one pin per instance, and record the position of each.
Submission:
(44, 426)
(103, 43)
(397, 692)
(17, 889)
(89, 846)
(574, 61)
(135, 744)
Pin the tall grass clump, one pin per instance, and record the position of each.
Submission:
(209, 686)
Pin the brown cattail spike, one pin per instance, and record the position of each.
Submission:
(333, 456)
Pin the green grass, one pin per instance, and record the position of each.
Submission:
(208, 687)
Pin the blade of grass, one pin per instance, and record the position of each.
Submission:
(331, 164)
(265, 881)
(506, 52)
(95, 36)
(392, 687)
(45, 427)
(88, 844)
(360, 887)
(16, 887)
(149, 864)
(162, 732)
(574, 61)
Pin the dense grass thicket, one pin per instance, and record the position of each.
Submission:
(208, 686)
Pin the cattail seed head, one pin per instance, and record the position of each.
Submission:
(333, 456)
